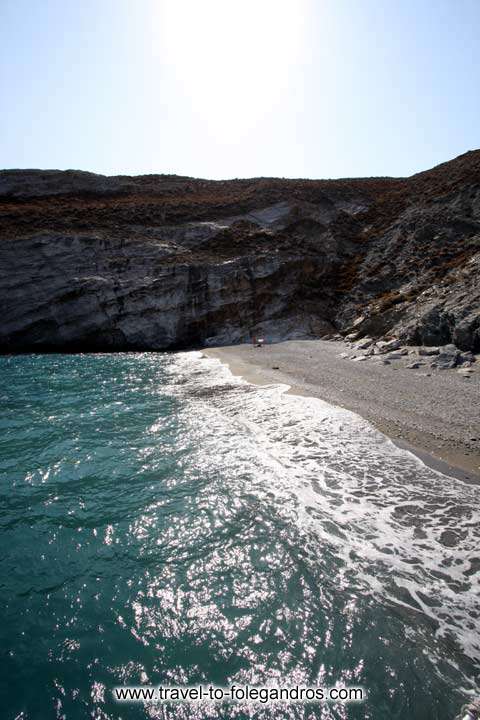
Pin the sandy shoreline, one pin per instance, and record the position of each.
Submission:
(436, 416)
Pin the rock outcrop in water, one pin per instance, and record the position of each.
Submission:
(155, 262)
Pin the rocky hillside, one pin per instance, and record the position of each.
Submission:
(154, 262)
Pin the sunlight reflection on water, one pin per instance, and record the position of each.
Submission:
(168, 523)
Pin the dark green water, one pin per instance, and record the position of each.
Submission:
(163, 523)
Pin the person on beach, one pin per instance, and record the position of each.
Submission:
(257, 342)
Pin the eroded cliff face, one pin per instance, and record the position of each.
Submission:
(156, 262)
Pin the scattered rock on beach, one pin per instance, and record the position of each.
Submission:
(364, 343)
(396, 355)
(387, 346)
(447, 358)
(466, 372)
(466, 357)
(428, 350)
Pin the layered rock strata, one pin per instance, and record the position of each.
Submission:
(161, 262)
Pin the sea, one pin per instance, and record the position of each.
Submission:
(165, 524)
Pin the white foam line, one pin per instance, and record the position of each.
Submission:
(335, 467)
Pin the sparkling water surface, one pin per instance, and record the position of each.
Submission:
(165, 523)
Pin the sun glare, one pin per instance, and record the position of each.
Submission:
(233, 59)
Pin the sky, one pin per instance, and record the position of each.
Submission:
(239, 88)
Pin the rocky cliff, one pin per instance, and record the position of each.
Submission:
(155, 262)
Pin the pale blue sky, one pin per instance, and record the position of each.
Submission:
(239, 88)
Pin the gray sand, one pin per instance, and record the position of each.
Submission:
(438, 417)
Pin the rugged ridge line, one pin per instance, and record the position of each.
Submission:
(155, 262)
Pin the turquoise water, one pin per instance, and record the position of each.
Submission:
(163, 522)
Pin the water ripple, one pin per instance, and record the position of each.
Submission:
(164, 522)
